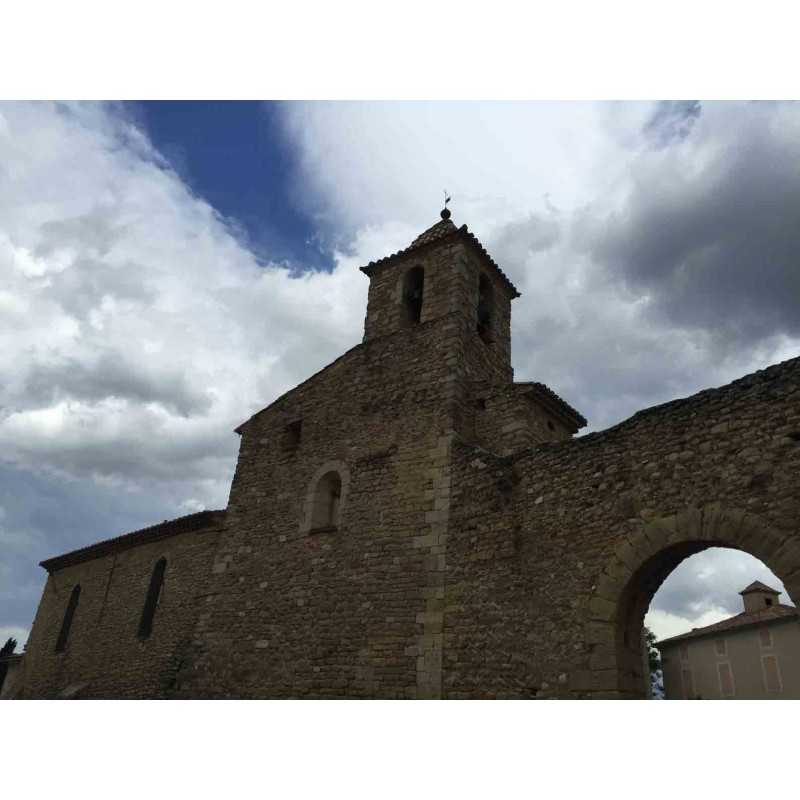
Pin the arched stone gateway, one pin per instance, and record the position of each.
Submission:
(640, 565)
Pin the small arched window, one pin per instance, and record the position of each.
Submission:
(326, 503)
(66, 624)
(484, 312)
(413, 289)
(151, 601)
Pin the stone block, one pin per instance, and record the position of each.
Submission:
(601, 609)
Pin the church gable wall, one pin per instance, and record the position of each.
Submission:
(298, 612)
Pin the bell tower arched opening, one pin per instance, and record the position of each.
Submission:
(413, 292)
(484, 309)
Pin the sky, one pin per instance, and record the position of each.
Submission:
(167, 269)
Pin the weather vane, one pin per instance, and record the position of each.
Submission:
(446, 211)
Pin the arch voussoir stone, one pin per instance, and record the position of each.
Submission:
(626, 554)
(792, 586)
(721, 523)
(689, 522)
(787, 560)
(756, 537)
(609, 585)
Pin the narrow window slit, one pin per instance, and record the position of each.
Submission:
(151, 601)
(66, 624)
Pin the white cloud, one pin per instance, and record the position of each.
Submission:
(664, 624)
(142, 330)
(704, 589)
(14, 632)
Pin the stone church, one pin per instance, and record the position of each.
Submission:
(410, 522)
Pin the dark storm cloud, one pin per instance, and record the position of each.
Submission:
(513, 243)
(714, 243)
(43, 516)
(114, 375)
(122, 456)
(671, 121)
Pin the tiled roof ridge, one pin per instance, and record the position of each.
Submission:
(437, 231)
(741, 620)
(161, 530)
(545, 390)
(757, 586)
(441, 231)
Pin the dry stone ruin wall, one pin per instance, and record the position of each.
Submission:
(555, 552)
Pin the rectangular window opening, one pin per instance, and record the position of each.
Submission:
(292, 434)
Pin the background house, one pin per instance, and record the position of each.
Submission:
(753, 655)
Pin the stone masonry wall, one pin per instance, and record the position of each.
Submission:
(104, 657)
(354, 612)
(531, 534)
(506, 420)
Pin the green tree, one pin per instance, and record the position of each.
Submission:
(6, 650)
(654, 664)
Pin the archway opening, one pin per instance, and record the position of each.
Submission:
(640, 563)
(707, 633)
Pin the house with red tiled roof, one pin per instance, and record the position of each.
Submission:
(754, 655)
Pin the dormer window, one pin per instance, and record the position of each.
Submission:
(484, 311)
(413, 289)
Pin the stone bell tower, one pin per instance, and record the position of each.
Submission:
(445, 274)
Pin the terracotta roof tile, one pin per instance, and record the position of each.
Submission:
(768, 614)
(757, 586)
(548, 394)
(439, 232)
(163, 530)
